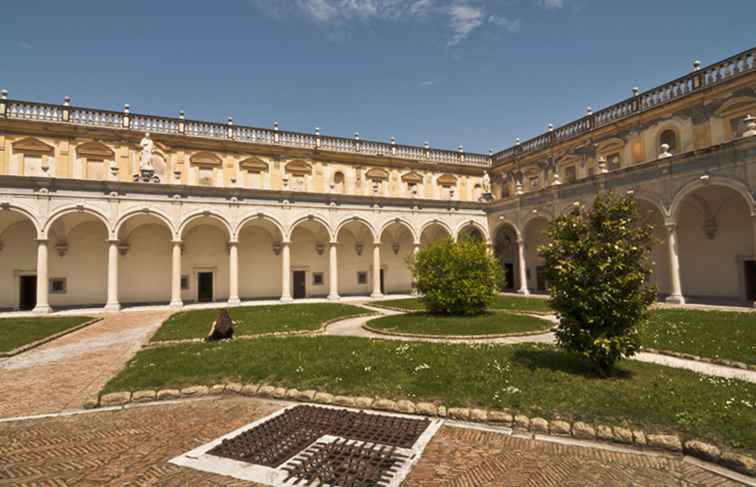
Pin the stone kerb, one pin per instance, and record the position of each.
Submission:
(47, 339)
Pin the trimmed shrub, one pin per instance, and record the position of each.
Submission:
(459, 278)
(597, 265)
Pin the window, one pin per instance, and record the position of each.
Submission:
(570, 174)
(338, 182)
(362, 277)
(614, 161)
(95, 169)
(534, 183)
(184, 282)
(32, 165)
(669, 137)
(317, 279)
(58, 285)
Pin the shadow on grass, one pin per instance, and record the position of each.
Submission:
(560, 361)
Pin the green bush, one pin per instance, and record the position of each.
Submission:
(459, 278)
(597, 265)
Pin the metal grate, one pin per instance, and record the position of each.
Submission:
(277, 440)
(345, 463)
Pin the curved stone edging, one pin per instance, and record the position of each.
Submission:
(47, 339)
(319, 330)
(670, 443)
(378, 331)
(689, 356)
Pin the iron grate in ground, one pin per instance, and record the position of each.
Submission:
(279, 439)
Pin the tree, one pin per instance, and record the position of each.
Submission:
(597, 265)
(459, 278)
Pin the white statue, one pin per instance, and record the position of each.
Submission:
(147, 145)
(486, 183)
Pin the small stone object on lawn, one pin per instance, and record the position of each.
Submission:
(115, 399)
(265, 391)
(307, 395)
(233, 387)
(249, 389)
(323, 397)
(385, 405)
(478, 415)
(459, 413)
(405, 406)
(639, 438)
(345, 401)
(363, 402)
(222, 328)
(500, 417)
(194, 391)
(702, 450)
(279, 393)
(604, 432)
(623, 435)
(217, 389)
(521, 422)
(665, 442)
(426, 408)
(442, 411)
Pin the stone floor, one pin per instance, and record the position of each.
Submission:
(65, 373)
(132, 447)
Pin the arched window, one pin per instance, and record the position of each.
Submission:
(338, 182)
(669, 137)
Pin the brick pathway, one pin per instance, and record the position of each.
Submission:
(64, 373)
(132, 447)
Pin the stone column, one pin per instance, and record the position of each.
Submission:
(333, 272)
(522, 267)
(43, 305)
(233, 272)
(176, 275)
(676, 295)
(415, 250)
(112, 303)
(286, 272)
(376, 271)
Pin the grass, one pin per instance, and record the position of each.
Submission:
(711, 334)
(536, 380)
(508, 303)
(254, 320)
(17, 332)
(490, 323)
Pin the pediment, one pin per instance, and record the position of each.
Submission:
(735, 106)
(30, 144)
(299, 168)
(253, 164)
(206, 159)
(412, 177)
(377, 173)
(95, 149)
(447, 180)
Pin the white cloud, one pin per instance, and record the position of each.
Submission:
(511, 25)
(463, 19)
(551, 3)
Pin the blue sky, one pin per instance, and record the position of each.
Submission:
(477, 73)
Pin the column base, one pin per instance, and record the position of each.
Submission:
(377, 295)
(675, 299)
(334, 297)
(286, 299)
(42, 310)
(112, 307)
(176, 304)
(523, 291)
(234, 301)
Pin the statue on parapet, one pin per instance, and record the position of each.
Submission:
(147, 145)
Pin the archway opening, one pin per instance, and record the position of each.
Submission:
(18, 261)
(535, 235)
(355, 259)
(260, 260)
(309, 259)
(433, 233)
(205, 260)
(397, 248)
(144, 260)
(505, 250)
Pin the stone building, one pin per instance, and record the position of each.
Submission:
(103, 208)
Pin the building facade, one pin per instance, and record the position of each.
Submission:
(102, 208)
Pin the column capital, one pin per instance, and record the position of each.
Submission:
(333, 243)
(112, 241)
(670, 226)
(42, 240)
(233, 242)
(177, 241)
(520, 241)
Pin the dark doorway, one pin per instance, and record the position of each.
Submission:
(300, 289)
(27, 298)
(383, 288)
(750, 279)
(541, 284)
(508, 277)
(204, 287)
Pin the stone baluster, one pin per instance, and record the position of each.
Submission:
(126, 119)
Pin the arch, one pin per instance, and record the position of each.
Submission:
(204, 214)
(253, 164)
(693, 185)
(446, 180)
(503, 222)
(398, 221)
(6, 206)
(146, 212)
(360, 219)
(438, 222)
(547, 215)
(258, 216)
(669, 136)
(80, 208)
(653, 199)
(412, 177)
(467, 223)
(734, 105)
(377, 173)
(310, 217)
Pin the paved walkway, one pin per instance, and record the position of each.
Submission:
(133, 446)
(65, 373)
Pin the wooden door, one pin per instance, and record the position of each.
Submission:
(27, 298)
(205, 287)
(300, 285)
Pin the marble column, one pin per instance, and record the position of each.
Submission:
(415, 250)
(233, 272)
(286, 272)
(43, 305)
(376, 271)
(522, 267)
(112, 303)
(676, 295)
(333, 271)
(176, 275)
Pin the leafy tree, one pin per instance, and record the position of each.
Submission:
(597, 266)
(459, 278)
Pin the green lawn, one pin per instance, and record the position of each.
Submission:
(532, 379)
(490, 323)
(253, 320)
(712, 334)
(510, 303)
(16, 332)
